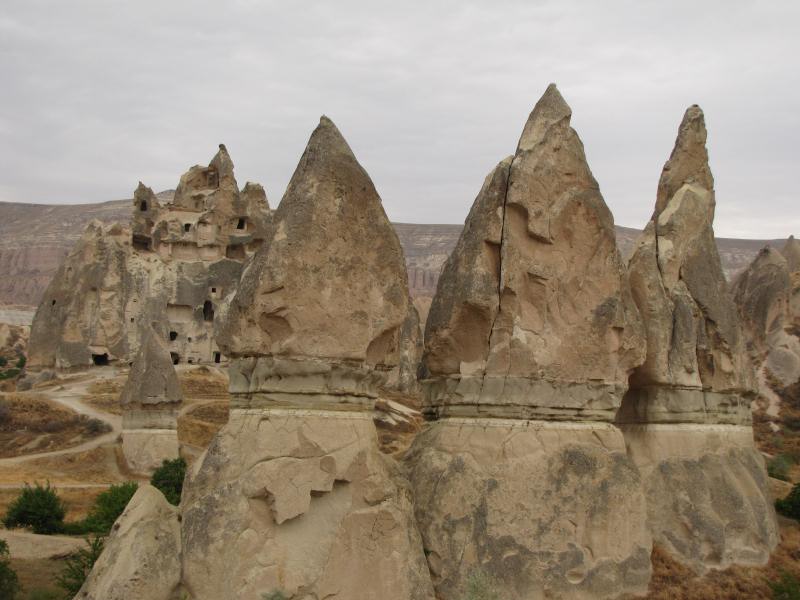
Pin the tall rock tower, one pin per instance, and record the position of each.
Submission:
(174, 265)
(293, 495)
(686, 417)
(150, 402)
(529, 343)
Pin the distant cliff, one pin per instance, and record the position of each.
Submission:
(34, 238)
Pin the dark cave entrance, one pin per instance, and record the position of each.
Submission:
(100, 360)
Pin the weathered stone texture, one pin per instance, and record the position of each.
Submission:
(150, 401)
(534, 291)
(686, 417)
(549, 510)
(174, 266)
(141, 558)
(532, 322)
(328, 287)
(293, 495)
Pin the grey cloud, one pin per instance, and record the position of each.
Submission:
(99, 94)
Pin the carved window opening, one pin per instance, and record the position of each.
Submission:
(208, 311)
(100, 360)
(217, 357)
(241, 223)
(173, 335)
(175, 358)
(143, 205)
(187, 227)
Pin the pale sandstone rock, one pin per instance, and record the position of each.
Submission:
(303, 503)
(550, 510)
(174, 267)
(686, 418)
(293, 495)
(150, 401)
(791, 251)
(534, 300)
(532, 319)
(291, 320)
(141, 558)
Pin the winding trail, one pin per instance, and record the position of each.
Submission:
(69, 394)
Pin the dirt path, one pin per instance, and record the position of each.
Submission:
(69, 394)
(26, 545)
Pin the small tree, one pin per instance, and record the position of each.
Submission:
(79, 565)
(786, 588)
(778, 467)
(37, 507)
(9, 583)
(169, 479)
(790, 506)
(108, 506)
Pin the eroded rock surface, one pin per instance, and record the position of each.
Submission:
(532, 317)
(150, 401)
(529, 344)
(293, 495)
(173, 266)
(141, 558)
(686, 417)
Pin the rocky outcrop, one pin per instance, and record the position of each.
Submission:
(90, 309)
(173, 267)
(791, 251)
(528, 347)
(293, 495)
(686, 418)
(141, 558)
(150, 401)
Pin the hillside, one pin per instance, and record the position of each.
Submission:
(34, 238)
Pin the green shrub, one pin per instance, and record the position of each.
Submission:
(78, 566)
(778, 467)
(790, 506)
(10, 374)
(108, 506)
(274, 595)
(21, 361)
(3, 361)
(37, 507)
(9, 584)
(786, 588)
(480, 586)
(169, 479)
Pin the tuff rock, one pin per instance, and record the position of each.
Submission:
(529, 343)
(150, 401)
(141, 557)
(686, 417)
(293, 496)
(173, 266)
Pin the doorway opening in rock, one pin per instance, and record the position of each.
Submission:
(187, 227)
(173, 335)
(208, 311)
(143, 206)
(240, 223)
(100, 360)
(175, 358)
(217, 357)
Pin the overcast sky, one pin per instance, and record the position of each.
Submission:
(96, 95)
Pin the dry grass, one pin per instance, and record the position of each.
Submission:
(673, 581)
(38, 574)
(198, 425)
(99, 465)
(200, 384)
(104, 395)
(30, 423)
